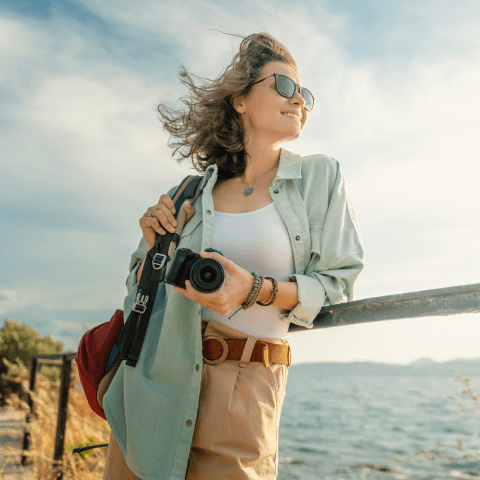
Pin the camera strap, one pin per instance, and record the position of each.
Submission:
(131, 337)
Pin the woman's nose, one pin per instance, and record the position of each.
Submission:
(298, 98)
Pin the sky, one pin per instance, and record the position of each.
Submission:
(83, 153)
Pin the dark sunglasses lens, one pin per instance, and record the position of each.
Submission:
(285, 86)
(308, 97)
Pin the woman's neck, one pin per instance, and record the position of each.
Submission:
(261, 163)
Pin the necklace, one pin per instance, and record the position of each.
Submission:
(248, 191)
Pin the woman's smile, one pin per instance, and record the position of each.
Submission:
(293, 116)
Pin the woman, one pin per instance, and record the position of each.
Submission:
(211, 410)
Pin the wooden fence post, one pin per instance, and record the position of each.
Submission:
(62, 411)
(26, 437)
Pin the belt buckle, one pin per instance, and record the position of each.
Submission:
(224, 354)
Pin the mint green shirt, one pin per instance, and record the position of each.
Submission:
(152, 408)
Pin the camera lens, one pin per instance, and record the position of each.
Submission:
(207, 275)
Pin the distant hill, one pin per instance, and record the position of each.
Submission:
(422, 362)
(424, 366)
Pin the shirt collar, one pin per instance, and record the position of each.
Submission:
(290, 167)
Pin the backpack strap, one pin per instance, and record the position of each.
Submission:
(132, 335)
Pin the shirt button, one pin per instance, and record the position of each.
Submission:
(275, 191)
(197, 367)
(189, 423)
(297, 237)
(209, 212)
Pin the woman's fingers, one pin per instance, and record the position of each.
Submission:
(168, 202)
(149, 223)
(155, 224)
(158, 218)
(164, 217)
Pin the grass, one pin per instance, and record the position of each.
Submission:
(83, 428)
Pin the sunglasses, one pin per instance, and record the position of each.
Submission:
(287, 88)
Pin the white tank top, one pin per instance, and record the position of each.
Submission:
(256, 241)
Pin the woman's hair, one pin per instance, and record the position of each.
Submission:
(210, 130)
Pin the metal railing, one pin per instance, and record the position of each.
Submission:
(426, 303)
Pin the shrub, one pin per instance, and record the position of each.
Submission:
(18, 343)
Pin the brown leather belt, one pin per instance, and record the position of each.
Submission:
(216, 350)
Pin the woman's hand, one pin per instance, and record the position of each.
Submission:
(162, 216)
(233, 292)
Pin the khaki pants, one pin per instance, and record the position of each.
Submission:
(236, 430)
(116, 467)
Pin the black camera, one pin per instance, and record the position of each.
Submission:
(205, 274)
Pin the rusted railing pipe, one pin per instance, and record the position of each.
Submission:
(426, 303)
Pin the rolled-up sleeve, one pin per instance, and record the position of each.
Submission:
(337, 258)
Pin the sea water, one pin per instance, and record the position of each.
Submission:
(367, 421)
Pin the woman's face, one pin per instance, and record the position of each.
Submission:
(262, 111)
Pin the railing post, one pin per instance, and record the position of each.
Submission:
(62, 412)
(26, 437)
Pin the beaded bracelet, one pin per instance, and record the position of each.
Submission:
(257, 288)
(257, 293)
(254, 289)
(273, 294)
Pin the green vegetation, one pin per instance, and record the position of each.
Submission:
(20, 343)
(83, 428)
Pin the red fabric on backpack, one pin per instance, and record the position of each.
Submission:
(92, 355)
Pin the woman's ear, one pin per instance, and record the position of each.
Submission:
(237, 103)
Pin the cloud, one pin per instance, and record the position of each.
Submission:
(84, 155)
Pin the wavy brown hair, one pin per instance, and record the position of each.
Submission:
(210, 131)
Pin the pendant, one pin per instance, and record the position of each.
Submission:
(248, 191)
